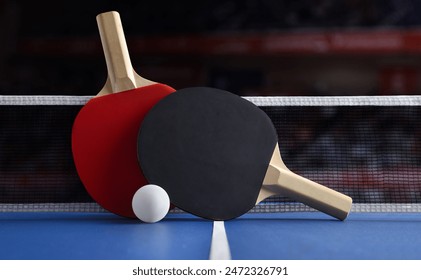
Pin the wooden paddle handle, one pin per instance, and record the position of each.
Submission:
(121, 76)
(308, 192)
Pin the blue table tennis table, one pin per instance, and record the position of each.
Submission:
(286, 236)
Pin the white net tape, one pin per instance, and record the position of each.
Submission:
(400, 100)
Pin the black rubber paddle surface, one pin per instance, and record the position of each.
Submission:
(209, 149)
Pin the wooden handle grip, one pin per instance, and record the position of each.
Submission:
(310, 193)
(120, 71)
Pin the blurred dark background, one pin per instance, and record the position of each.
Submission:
(250, 47)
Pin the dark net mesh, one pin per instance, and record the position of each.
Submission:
(36, 164)
(372, 153)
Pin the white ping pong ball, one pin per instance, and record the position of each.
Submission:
(150, 203)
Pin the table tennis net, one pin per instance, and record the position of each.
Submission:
(368, 147)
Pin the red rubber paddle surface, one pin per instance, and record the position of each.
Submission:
(104, 145)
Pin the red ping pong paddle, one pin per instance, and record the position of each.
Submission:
(104, 134)
(216, 154)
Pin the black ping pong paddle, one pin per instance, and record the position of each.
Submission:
(217, 156)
